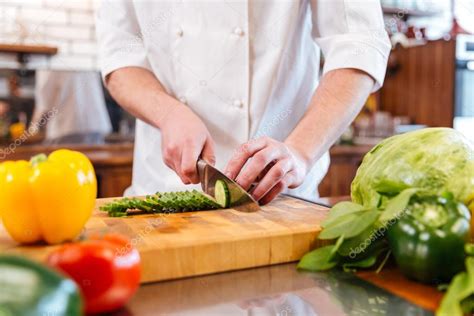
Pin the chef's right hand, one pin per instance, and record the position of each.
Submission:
(184, 139)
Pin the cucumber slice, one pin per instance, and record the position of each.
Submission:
(161, 202)
(222, 194)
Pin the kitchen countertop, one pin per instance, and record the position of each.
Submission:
(276, 290)
(283, 290)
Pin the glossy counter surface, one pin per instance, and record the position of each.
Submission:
(275, 290)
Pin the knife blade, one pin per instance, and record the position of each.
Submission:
(240, 199)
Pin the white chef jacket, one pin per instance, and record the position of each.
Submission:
(72, 101)
(246, 68)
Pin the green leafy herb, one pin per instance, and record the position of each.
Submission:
(388, 187)
(357, 245)
(365, 259)
(350, 224)
(321, 259)
(460, 293)
(362, 263)
(342, 208)
(397, 205)
(338, 244)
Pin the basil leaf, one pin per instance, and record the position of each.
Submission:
(461, 288)
(357, 245)
(389, 187)
(340, 209)
(337, 245)
(363, 263)
(350, 225)
(321, 259)
(397, 205)
(318, 260)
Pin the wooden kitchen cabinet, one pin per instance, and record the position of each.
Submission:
(344, 163)
(112, 163)
(420, 83)
(112, 181)
(113, 169)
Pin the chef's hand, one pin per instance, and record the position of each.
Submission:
(184, 139)
(275, 165)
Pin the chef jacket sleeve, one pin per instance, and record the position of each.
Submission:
(351, 34)
(119, 37)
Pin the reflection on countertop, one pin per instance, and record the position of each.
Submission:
(273, 290)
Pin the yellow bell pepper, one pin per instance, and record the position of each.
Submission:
(48, 198)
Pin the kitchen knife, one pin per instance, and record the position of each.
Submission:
(240, 199)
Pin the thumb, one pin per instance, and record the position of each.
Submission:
(207, 153)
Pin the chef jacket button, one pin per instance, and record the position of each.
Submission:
(238, 31)
(179, 32)
(238, 103)
(182, 100)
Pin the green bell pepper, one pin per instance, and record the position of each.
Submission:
(28, 288)
(427, 240)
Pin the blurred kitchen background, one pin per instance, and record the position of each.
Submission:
(51, 93)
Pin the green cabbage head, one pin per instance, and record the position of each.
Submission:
(437, 159)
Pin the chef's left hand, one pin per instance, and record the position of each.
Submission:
(275, 165)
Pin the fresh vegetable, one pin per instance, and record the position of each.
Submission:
(401, 207)
(428, 240)
(426, 235)
(392, 175)
(47, 198)
(360, 233)
(28, 288)
(222, 194)
(162, 203)
(107, 270)
(436, 159)
(459, 299)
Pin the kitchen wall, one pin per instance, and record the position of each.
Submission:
(67, 24)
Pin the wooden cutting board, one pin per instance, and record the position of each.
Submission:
(196, 243)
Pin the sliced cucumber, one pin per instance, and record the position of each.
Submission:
(222, 194)
(165, 202)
